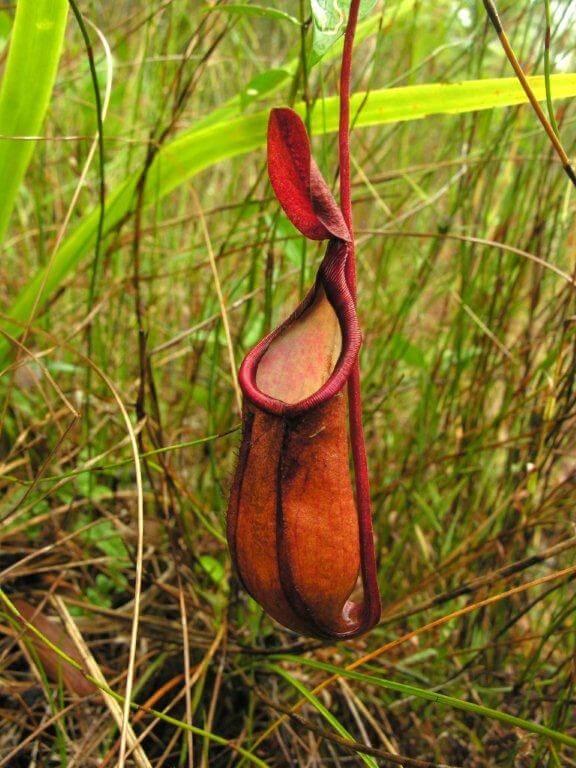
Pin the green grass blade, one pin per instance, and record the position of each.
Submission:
(438, 698)
(196, 150)
(35, 47)
(324, 711)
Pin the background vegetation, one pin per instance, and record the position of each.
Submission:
(465, 226)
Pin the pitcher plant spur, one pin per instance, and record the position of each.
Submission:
(300, 535)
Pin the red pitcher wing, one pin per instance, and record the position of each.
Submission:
(297, 182)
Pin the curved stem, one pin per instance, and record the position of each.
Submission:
(344, 126)
(371, 612)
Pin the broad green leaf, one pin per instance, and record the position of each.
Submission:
(196, 150)
(27, 84)
(330, 17)
(263, 83)
(248, 9)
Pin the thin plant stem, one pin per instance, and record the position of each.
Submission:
(100, 226)
(101, 166)
(547, 40)
(362, 482)
(308, 123)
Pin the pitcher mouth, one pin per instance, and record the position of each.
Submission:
(332, 280)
